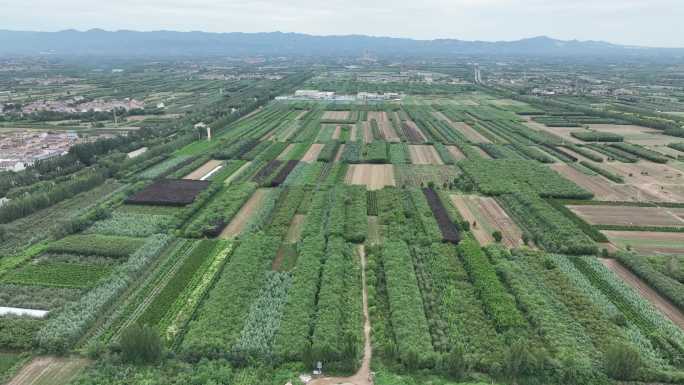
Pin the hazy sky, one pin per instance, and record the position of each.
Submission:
(638, 22)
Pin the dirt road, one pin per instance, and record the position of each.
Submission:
(204, 169)
(363, 375)
(659, 302)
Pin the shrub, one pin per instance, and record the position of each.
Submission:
(140, 345)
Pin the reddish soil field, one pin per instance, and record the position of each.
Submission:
(373, 176)
(630, 216)
(424, 154)
(367, 132)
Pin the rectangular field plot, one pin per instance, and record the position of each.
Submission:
(173, 192)
(417, 175)
(373, 176)
(646, 242)
(384, 125)
(59, 274)
(204, 171)
(424, 154)
(489, 217)
(630, 216)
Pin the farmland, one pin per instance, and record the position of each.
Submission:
(453, 235)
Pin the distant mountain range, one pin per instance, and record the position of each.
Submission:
(98, 42)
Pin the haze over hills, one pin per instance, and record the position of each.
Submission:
(171, 43)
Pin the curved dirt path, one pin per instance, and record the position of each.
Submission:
(659, 302)
(363, 375)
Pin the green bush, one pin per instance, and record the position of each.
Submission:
(140, 345)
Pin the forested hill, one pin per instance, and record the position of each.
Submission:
(170, 43)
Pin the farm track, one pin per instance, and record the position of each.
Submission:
(363, 375)
(294, 232)
(662, 304)
(49, 371)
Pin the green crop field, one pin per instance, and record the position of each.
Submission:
(325, 234)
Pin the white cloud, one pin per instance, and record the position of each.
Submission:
(650, 22)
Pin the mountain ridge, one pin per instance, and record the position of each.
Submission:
(100, 42)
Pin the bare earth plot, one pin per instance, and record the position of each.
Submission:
(335, 115)
(470, 133)
(424, 154)
(654, 181)
(630, 216)
(489, 217)
(456, 152)
(241, 219)
(647, 242)
(204, 170)
(602, 188)
(659, 302)
(49, 371)
(373, 176)
(312, 154)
